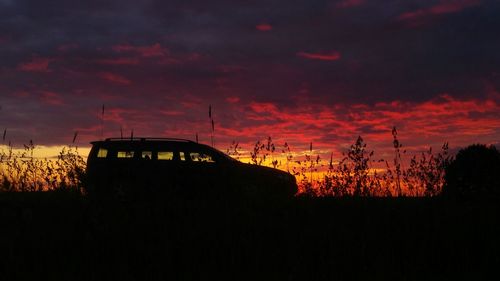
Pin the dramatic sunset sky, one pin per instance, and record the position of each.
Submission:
(299, 71)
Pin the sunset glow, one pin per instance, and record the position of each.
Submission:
(321, 73)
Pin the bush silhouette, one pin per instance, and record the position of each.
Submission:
(474, 173)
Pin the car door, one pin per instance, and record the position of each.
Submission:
(165, 170)
(201, 171)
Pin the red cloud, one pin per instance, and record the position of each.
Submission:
(328, 56)
(51, 98)
(35, 65)
(155, 50)
(264, 27)
(335, 127)
(232, 99)
(446, 7)
(115, 78)
(172, 112)
(118, 115)
(418, 17)
(118, 61)
(329, 127)
(258, 107)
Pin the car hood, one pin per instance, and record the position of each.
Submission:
(267, 171)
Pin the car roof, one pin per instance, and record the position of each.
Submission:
(142, 139)
(146, 142)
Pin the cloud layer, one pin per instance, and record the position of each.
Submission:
(301, 71)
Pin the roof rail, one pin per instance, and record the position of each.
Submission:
(147, 139)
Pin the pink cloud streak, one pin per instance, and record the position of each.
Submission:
(326, 56)
(115, 78)
(443, 7)
(37, 64)
(155, 50)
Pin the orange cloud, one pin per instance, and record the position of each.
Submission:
(327, 56)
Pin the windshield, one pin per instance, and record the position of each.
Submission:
(225, 156)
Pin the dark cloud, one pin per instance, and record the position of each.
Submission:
(157, 65)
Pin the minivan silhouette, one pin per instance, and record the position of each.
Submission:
(178, 167)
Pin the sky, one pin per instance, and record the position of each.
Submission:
(320, 72)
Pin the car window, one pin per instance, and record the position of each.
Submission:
(165, 155)
(147, 155)
(201, 157)
(182, 156)
(102, 153)
(125, 154)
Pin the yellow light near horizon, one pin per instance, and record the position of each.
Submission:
(48, 152)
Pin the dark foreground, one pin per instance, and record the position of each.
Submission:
(63, 236)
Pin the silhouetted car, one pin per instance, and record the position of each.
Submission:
(178, 167)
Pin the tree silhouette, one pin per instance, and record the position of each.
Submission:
(475, 172)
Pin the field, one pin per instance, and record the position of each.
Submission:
(65, 236)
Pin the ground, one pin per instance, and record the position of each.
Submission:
(65, 236)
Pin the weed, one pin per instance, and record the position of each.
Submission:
(263, 151)
(357, 173)
(21, 171)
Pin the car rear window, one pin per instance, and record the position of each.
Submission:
(102, 153)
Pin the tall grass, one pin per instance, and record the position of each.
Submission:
(357, 173)
(22, 171)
